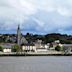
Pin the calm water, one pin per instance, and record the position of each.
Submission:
(36, 64)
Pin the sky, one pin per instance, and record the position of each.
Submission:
(36, 16)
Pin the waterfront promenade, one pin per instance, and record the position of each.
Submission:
(48, 53)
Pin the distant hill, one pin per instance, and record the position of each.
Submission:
(64, 38)
(48, 38)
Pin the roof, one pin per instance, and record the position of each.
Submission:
(7, 45)
(67, 44)
(23, 40)
(28, 44)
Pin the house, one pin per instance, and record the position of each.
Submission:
(67, 48)
(54, 44)
(47, 45)
(7, 50)
(7, 47)
(28, 47)
(38, 44)
(40, 47)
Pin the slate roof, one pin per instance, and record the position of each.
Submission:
(7, 45)
(23, 40)
(67, 45)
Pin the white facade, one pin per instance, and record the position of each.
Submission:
(36, 48)
(7, 50)
(28, 48)
(46, 46)
(41, 50)
(57, 41)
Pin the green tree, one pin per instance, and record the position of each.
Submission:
(58, 48)
(1, 48)
(16, 48)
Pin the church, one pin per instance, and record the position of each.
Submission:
(20, 38)
(23, 43)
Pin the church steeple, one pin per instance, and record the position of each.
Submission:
(18, 27)
(18, 35)
(20, 39)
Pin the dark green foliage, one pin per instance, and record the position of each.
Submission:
(1, 49)
(15, 48)
(58, 48)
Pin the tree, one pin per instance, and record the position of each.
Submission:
(15, 48)
(1, 49)
(58, 48)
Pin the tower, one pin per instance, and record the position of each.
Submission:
(18, 36)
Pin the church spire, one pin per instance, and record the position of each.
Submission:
(18, 35)
(18, 27)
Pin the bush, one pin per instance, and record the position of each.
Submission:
(15, 48)
(58, 48)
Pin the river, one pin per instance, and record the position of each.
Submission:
(36, 64)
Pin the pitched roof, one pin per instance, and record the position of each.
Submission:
(23, 40)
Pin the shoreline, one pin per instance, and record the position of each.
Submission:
(1, 55)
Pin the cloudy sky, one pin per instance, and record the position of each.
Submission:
(36, 16)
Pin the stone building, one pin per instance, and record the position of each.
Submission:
(40, 47)
(20, 37)
(23, 43)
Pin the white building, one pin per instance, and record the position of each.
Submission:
(7, 47)
(41, 50)
(7, 50)
(29, 47)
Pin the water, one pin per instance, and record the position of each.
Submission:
(36, 64)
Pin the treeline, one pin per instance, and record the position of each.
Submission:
(48, 38)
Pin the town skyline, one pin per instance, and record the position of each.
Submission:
(35, 35)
